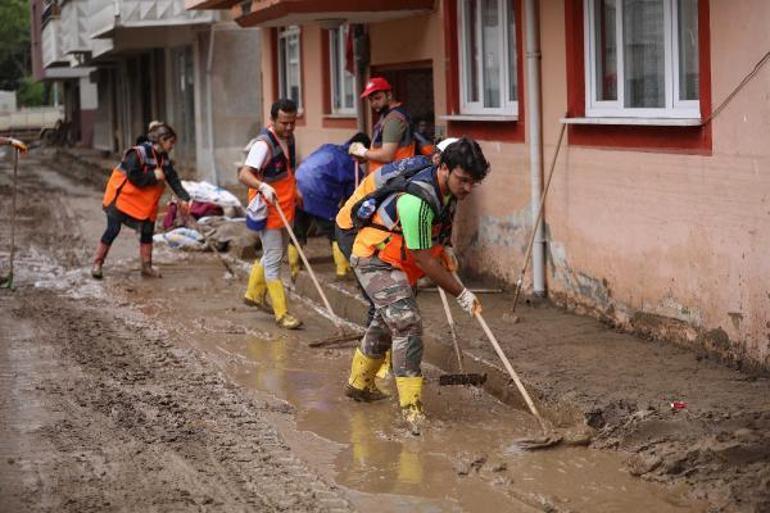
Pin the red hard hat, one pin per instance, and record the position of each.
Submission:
(375, 84)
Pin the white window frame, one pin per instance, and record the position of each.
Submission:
(284, 36)
(507, 74)
(338, 72)
(674, 107)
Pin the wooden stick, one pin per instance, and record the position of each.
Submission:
(451, 322)
(508, 366)
(537, 222)
(289, 229)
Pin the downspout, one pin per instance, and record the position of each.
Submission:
(210, 110)
(534, 125)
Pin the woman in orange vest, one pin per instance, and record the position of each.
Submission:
(133, 193)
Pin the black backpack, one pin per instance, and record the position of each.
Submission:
(398, 183)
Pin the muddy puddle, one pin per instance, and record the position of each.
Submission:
(464, 461)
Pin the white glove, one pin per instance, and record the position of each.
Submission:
(358, 149)
(267, 192)
(469, 302)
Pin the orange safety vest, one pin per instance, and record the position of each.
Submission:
(141, 203)
(279, 173)
(384, 238)
(406, 146)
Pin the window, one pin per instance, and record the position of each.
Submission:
(342, 81)
(487, 57)
(289, 66)
(642, 58)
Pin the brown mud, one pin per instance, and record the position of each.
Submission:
(170, 395)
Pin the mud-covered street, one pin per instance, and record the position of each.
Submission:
(134, 394)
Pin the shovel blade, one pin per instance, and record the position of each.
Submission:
(475, 380)
(336, 339)
(538, 443)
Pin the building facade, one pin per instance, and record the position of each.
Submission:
(124, 63)
(657, 217)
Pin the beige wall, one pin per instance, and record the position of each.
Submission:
(668, 244)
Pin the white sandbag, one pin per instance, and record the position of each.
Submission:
(210, 193)
(181, 238)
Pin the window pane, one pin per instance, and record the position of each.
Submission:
(490, 31)
(606, 50)
(283, 88)
(293, 67)
(689, 83)
(471, 51)
(334, 51)
(349, 101)
(512, 52)
(643, 51)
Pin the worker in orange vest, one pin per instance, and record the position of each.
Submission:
(405, 223)
(268, 172)
(392, 137)
(133, 192)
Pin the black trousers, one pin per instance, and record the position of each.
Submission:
(303, 221)
(116, 219)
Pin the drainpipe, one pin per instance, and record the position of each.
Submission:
(210, 110)
(534, 125)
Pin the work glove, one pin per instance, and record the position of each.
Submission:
(17, 144)
(469, 302)
(267, 192)
(449, 259)
(357, 149)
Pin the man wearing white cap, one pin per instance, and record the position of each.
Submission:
(403, 222)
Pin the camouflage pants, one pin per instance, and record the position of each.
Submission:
(397, 323)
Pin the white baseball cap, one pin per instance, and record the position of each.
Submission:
(446, 142)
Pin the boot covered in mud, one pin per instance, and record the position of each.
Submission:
(294, 262)
(256, 290)
(361, 386)
(101, 255)
(145, 252)
(384, 371)
(410, 400)
(341, 266)
(278, 298)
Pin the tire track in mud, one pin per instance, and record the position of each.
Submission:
(143, 425)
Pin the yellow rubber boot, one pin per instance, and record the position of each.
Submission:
(278, 299)
(256, 288)
(294, 262)
(341, 266)
(384, 370)
(361, 386)
(410, 400)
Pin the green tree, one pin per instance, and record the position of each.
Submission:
(14, 43)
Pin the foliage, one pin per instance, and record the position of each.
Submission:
(31, 93)
(14, 43)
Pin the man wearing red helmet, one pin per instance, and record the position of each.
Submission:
(392, 137)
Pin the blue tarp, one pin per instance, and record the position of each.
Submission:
(325, 178)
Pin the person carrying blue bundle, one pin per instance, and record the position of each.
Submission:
(326, 178)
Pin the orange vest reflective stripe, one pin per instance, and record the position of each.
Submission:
(282, 180)
(402, 152)
(138, 202)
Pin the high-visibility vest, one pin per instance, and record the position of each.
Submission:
(141, 203)
(406, 146)
(279, 173)
(384, 238)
